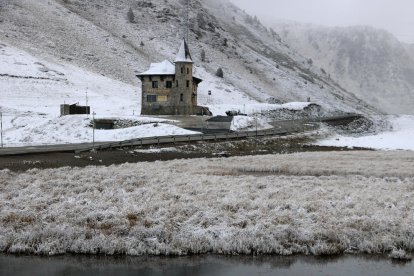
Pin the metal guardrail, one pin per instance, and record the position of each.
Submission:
(159, 140)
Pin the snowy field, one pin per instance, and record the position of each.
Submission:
(400, 137)
(307, 203)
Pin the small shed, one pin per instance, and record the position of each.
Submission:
(104, 124)
(74, 109)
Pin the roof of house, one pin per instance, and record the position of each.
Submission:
(184, 53)
(162, 68)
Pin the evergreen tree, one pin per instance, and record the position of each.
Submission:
(203, 55)
(220, 73)
(131, 16)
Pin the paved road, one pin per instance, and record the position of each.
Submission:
(279, 128)
(143, 142)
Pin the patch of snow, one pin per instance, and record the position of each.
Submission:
(399, 138)
(249, 123)
(160, 150)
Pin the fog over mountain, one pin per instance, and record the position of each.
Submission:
(370, 62)
(376, 63)
(393, 16)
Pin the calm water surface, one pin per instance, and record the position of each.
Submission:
(202, 265)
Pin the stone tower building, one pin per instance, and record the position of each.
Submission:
(171, 89)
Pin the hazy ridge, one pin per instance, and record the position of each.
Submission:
(371, 63)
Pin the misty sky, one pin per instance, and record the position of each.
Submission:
(396, 16)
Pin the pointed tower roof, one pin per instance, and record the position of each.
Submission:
(184, 53)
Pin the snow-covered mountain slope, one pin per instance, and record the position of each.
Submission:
(369, 62)
(30, 85)
(98, 36)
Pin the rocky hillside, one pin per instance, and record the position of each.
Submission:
(369, 62)
(410, 48)
(119, 38)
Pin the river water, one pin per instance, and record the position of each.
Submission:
(202, 265)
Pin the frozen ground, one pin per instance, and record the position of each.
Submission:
(308, 203)
(400, 137)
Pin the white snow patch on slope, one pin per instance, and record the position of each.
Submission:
(307, 203)
(401, 137)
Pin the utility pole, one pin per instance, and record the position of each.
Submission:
(202, 120)
(256, 122)
(1, 128)
(86, 101)
(93, 131)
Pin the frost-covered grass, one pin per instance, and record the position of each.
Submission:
(308, 203)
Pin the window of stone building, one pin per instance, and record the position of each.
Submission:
(182, 70)
(162, 98)
(168, 84)
(151, 98)
(155, 84)
(181, 97)
(188, 83)
(188, 71)
(176, 83)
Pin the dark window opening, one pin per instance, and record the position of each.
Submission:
(168, 84)
(176, 83)
(151, 98)
(188, 71)
(181, 97)
(182, 70)
(188, 83)
(155, 84)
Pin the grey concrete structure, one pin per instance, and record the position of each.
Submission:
(170, 88)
